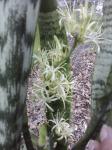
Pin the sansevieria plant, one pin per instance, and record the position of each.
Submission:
(49, 23)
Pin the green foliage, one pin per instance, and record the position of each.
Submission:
(37, 40)
(48, 27)
(42, 138)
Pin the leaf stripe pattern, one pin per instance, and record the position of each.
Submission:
(17, 29)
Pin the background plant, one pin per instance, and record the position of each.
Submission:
(49, 24)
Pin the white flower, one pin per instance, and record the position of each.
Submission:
(61, 127)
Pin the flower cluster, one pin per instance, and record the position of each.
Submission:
(61, 127)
